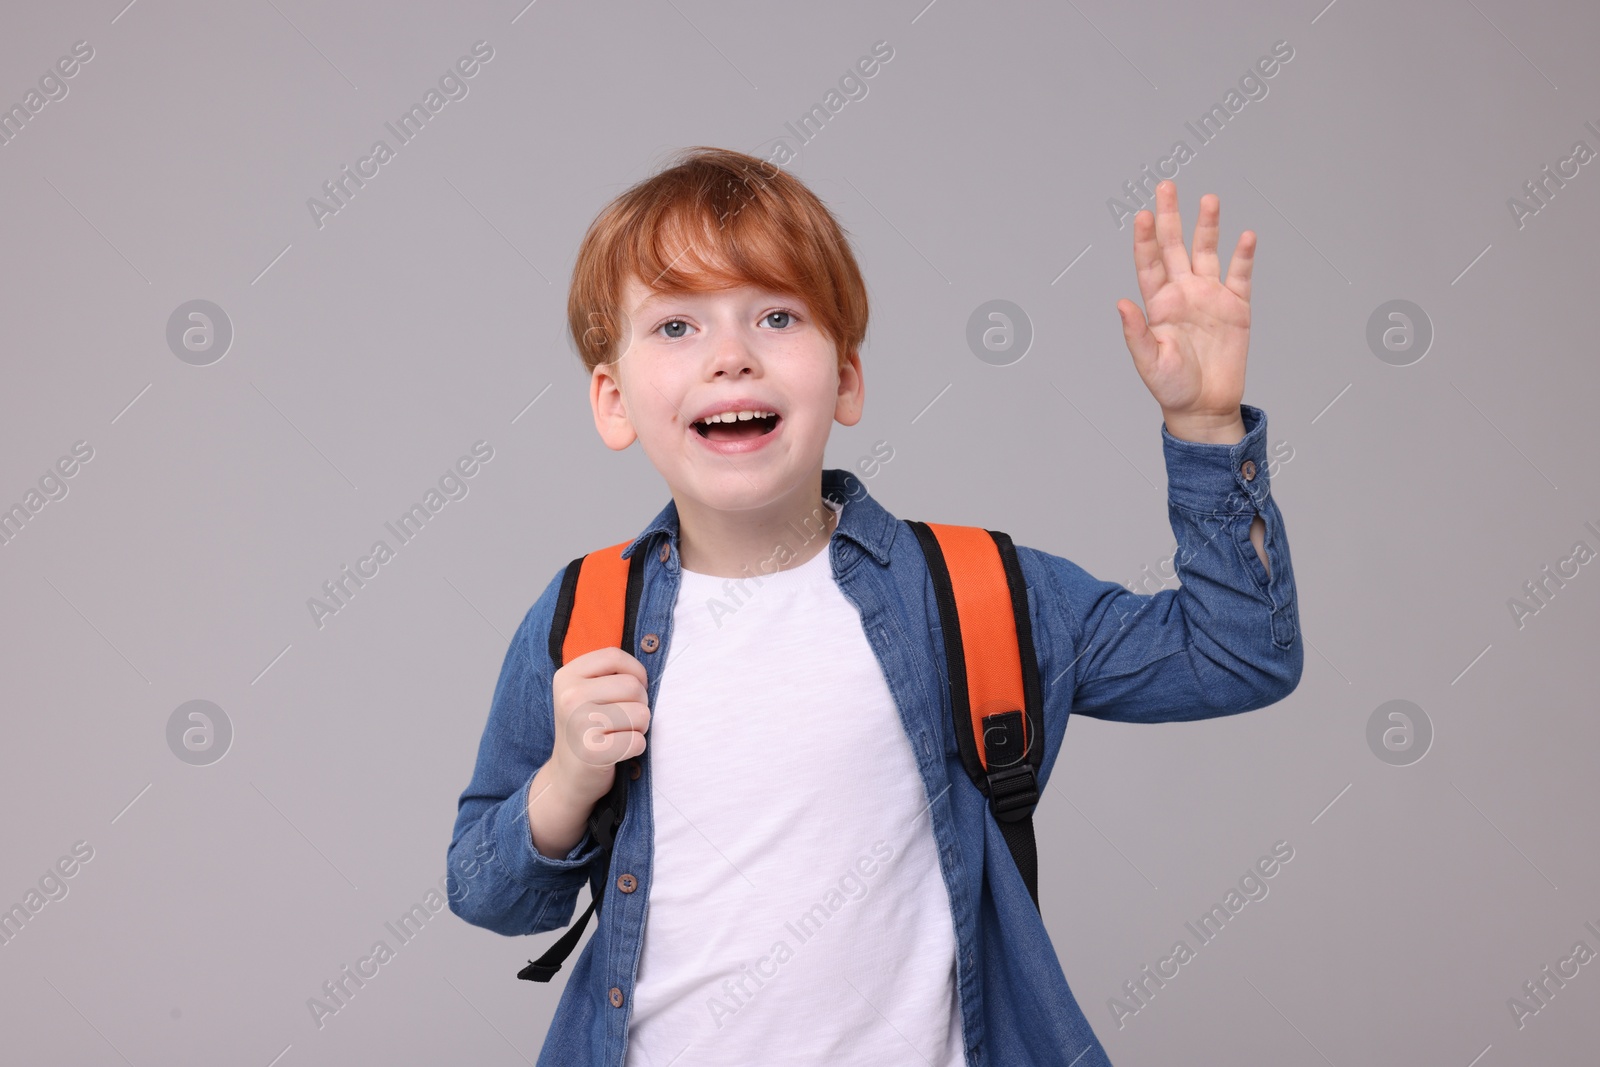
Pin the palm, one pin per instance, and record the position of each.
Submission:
(1190, 343)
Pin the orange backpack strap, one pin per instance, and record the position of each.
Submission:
(595, 608)
(994, 675)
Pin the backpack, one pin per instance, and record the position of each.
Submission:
(993, 673)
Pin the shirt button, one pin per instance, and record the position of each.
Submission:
(1248, 470)
(634, 771)
(616, 997)
(650, 642)
(627, 883)
(666, 550)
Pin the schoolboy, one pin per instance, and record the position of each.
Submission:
(805, 875)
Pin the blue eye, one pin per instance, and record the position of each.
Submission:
(788, 315)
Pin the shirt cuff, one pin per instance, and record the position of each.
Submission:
(1216, 478)
(514, 845)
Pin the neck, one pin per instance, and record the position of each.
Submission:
(782, 535)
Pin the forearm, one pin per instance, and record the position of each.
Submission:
(1233, 558)
(499, 880)
(1219, 431)
(1225, 640)
(556, 818)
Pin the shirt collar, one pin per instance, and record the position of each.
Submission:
(864, 520)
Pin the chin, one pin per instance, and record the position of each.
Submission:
(744, 489)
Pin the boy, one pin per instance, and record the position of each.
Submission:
(824, 882)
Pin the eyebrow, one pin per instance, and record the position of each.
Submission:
(653, 298)
(660, 296)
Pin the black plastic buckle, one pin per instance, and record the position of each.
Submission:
(1013, 792)
(1013, 788)
(603, 824)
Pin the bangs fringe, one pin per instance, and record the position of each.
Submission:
(714, 220)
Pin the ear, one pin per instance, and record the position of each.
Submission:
(610, 414)
(852, 391)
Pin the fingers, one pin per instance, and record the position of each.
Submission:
(602, 661)
(1147, 266)
(601, 706)
(594, 706)
(599, 722)
(1159, 255)
(635, 742)
(606, 689)
(1158, 252)
(1169, 230)
(1239, 267)
(1204, 260)
(600, 735)
(611, 716)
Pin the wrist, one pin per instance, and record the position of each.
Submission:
(561, 794)
(1206, 428)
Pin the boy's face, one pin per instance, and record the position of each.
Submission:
(686, 355)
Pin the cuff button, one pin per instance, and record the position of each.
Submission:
(1248, 470)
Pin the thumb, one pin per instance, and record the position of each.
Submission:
(1141, 342)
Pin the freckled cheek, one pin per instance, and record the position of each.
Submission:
(654, 411)
(659, 422)
(666, 420)
(819, 401)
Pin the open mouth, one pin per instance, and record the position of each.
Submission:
(736, 428)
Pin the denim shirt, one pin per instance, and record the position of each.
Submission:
(1225, 641)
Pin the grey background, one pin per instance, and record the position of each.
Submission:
(370, 353)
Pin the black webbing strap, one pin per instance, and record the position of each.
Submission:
(1007, 772)
(1013, 793)
(603, 823)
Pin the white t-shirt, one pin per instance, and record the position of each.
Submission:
(796, 914)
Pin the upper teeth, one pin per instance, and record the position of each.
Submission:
(737, 416)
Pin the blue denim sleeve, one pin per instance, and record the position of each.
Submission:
(495, 878)
(1225, 641)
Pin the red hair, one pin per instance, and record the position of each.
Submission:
(714, 220)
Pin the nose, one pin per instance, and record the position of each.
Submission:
(731, 355)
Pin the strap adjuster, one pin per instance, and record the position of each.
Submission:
(603, 824)
(1013, 787)
(1013, 792)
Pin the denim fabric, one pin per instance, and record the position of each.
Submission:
(1225, 641)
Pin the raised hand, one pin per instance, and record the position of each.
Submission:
(1190, 342)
